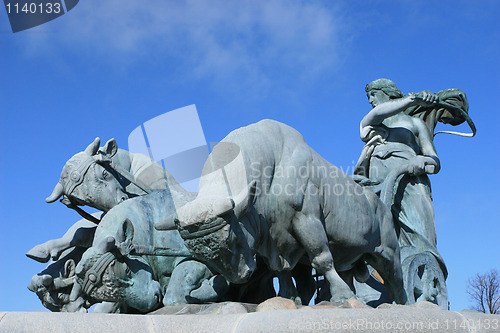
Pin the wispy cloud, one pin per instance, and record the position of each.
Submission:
(254, 41)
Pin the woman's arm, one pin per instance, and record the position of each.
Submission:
(394, 106)
(386, 110)
(428, 152)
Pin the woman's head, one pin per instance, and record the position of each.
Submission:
(383, 85)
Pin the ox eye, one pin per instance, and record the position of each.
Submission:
(128, 271)
(105, 174)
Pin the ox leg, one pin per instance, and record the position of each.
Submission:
(80, 234)
(287, 288)
(304, 282)
(311, 234)
(347, 277)
(211, 290)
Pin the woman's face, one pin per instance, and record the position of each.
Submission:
(377, 97)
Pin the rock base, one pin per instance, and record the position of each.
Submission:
(237, 317)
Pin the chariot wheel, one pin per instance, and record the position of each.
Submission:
(424, 280)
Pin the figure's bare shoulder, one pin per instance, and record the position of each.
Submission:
(421, 128)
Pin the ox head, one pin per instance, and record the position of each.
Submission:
(217, 231)
(86, 179)
(54, 291)
(108, 273)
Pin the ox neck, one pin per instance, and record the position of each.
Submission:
(147, 174)
(123, 159)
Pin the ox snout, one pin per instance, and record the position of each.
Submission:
(156, 291)
(147, 299)
(154, 300)
(39, 281)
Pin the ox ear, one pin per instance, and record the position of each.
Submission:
(69, 268)
(125, 237)
(93, 147)
(245, 198)
(126, 232)
(110, 148)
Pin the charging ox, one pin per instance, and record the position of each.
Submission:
(264, 192)
(131, 263)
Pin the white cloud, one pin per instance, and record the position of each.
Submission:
(253, 41)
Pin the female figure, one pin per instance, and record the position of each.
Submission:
(393, 139)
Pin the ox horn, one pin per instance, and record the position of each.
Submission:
(60, 283)
(167, 224)
(93, 147)
(105, 245)
(76, 292)
(223, 206)
(56, 193)
(200, 209)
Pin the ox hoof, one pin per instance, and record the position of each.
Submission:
(39, 253)
(42, 254)
(354, 303)
(340, 299)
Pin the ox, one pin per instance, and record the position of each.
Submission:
(103, 177)
(128, 257)
(265, 193)
(131, 263)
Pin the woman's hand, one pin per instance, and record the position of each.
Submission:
(425, 98)
(420, 165)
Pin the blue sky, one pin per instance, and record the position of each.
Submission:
(106, 67)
